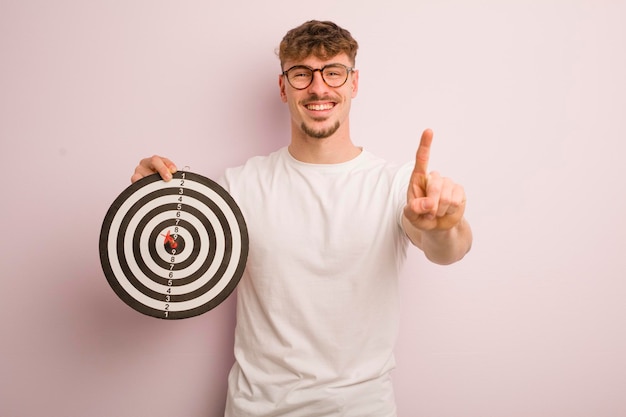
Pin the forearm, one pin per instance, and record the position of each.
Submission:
(442, 247)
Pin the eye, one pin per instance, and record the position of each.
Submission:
(299, 73)
(334, 72)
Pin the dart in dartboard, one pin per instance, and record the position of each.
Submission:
(172, 243)
(174, 249)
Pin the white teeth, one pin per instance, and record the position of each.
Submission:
(319, 106)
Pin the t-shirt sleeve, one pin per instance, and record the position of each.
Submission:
(400, 186)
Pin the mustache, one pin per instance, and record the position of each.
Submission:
(314, 98)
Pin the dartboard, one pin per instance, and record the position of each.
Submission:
(174, 249)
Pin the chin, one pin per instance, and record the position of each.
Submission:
(320, 133)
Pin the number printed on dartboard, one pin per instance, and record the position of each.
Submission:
(172, 243)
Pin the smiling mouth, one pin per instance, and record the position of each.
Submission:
(320, 107)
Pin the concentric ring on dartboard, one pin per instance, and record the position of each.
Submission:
(174, 249)
(160, 251)
(187, 251)
(153, 266)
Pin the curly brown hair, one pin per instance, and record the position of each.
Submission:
(322, 39)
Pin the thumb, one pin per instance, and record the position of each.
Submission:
(420, 206)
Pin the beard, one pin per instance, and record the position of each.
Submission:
(320, 134)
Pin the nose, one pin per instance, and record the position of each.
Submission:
(318, 83)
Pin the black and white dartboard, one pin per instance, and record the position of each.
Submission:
(174, 249)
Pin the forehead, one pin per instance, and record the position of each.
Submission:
(315, 62)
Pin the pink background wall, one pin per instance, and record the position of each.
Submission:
(528, 103)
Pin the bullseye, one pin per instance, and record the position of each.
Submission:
(173, 249)
(171, 243)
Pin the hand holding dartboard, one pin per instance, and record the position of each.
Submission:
(174, 249)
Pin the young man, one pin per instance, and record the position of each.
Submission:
(329, 225)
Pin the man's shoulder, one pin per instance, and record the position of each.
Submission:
(374, 162)
(253, 167)
(259, 161)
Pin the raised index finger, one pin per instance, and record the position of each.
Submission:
(423, 153)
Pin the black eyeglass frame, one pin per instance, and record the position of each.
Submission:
(321, 70)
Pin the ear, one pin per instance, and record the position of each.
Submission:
(281, 86)
(355, 83)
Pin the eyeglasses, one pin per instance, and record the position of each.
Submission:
(301, 76)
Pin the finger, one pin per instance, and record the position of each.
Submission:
(445, 198)
(136, 177)
(419, 207)
(457, 205)
(155, 164)
(434, 189)
(164, 167)
(423, 153)
(141, 171)
(456, 208)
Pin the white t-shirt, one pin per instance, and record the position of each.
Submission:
(317, 309)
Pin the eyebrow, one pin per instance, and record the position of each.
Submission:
(326, 65)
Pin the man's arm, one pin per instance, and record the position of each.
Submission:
(433, 216)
